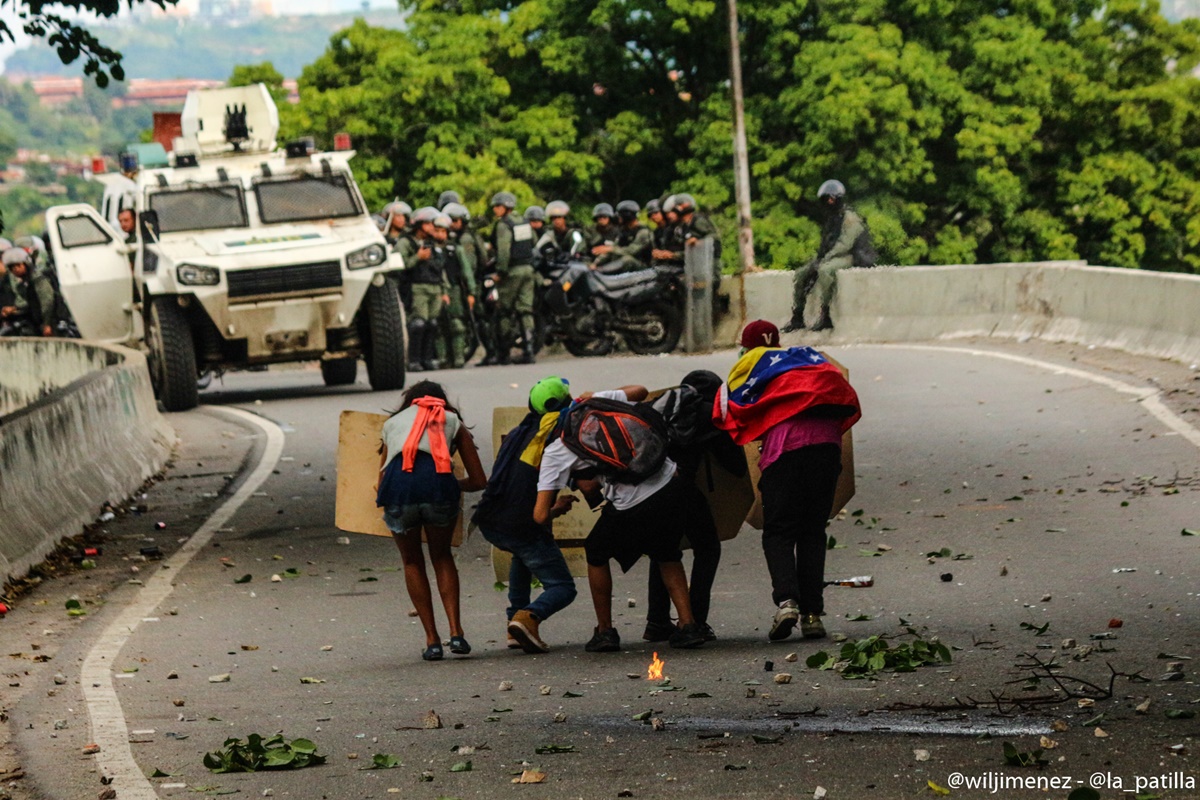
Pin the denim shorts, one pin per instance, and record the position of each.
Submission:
(404, 518)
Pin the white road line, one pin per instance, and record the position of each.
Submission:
(109, 729)
(1150, 399)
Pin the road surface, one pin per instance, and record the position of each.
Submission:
(1056, 488)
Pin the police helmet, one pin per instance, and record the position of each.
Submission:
(447, 197)
(684, 203)
(379, 220)
(669, 204)
(16, 255)
(457, 211)
(4, 244)
(442, 221)
(506, 199)
(535, 214)
(426, 214)
(833, 189)
(602, 210)
(628, 210)
(397, 208)
(557, 208)
(653, 207)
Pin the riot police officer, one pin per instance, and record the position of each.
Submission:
(446, 198)
(634, 244)
(845, 242)
(395, 215)
(601, 235)
(424, 261)
(668, 237)
(460, 273)
(694, 226)
(561, 238)
(472, 260)
(512, 243)
(24, 314)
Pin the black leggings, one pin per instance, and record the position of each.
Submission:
(706, 556)
(797, 495)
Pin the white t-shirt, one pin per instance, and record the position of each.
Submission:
(558, 463)
(397, 428)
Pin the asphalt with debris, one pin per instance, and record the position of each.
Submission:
(1039, 484)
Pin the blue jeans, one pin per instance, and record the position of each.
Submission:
(534, 553)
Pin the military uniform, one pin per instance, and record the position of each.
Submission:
(512, 240)
(630, 252)
(555, 246)
(460, 273)
(597, 235)
(20, 297)
(838, 239)
(428, 283)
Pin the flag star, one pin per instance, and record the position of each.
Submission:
(751, 381)
(775, 359)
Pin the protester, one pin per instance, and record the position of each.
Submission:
(799, 405)
(694, 442)
(646, 517)
(505, 518)
(418, 492)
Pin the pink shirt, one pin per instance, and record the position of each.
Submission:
(796, 432)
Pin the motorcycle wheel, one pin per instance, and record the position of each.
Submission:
(666, 326)
(589, 347)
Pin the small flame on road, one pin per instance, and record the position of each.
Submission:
(655, 671)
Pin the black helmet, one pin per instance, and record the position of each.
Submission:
(456, 211)
(506, 199)
(602, 210)
(653, 207)
(557, 208)
(628, 210)
(535, 214)
(685, 203)
(833, 189)
(446, 198)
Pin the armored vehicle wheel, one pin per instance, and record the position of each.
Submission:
(172, 356)
(387, 345)
(339, 371)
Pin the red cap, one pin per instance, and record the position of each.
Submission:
(760, 333)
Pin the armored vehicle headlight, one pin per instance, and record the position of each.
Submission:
(371, 256)
(193, 275)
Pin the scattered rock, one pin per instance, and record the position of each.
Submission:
(431, 721)
(1116, 623)
(791, 658)
(1172, 676)
(1099, 733)
(921, 755)
(1003, 571)
(224, 677)
(560, 717)
(91, 749)
(751, 691)
(179, 702)
(1068, 644)
(768, 665)
(1143, 706)
(544, 690)
(1174, 666)
(947, 577)
(60, 679)
(657, 724)
(172, 675)
(530, 776)
(1047, 743)
(1059, 726)
(505, 686)
(1046, 598)
(632, 602)
(276, 578)
(783, 677)
(819, 793)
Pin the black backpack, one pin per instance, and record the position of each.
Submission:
(626, 442)
(688, 415)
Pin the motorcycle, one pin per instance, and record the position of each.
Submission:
(587, 310)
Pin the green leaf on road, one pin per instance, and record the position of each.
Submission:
(642, 717)
(461, 766)
(1037, 631)
(860, 618)
(1189, 532)
(244, 579)
(384, 761)
(158, 773)
(1015, 758)
(760, 739)
(1180, 713)
(552, 749)
(569, 693)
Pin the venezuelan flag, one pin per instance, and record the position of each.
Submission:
(768, 385)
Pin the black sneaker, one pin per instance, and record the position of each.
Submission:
(658, 631)
(690, 635)
(608, 641)
(709, 634)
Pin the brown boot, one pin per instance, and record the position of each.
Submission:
(524, 628)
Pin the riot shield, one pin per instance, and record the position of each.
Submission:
(698, 270)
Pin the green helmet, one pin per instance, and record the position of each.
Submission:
(535, 214)
(557, 208)
(550, 394)
(603, 210)
(684, 203)
(456, 211)
(447, 197)
(506, 199)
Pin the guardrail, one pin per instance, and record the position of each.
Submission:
(78, 426)
(1147, 313)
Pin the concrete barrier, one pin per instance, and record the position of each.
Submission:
(1147, 313)
(79, 426)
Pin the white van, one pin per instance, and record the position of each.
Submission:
(244, 255)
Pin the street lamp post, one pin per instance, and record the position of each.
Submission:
(741, 165)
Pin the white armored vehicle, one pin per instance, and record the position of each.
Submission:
(244, 255)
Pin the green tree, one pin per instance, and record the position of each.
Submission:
(264, 73)
(71, 40)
